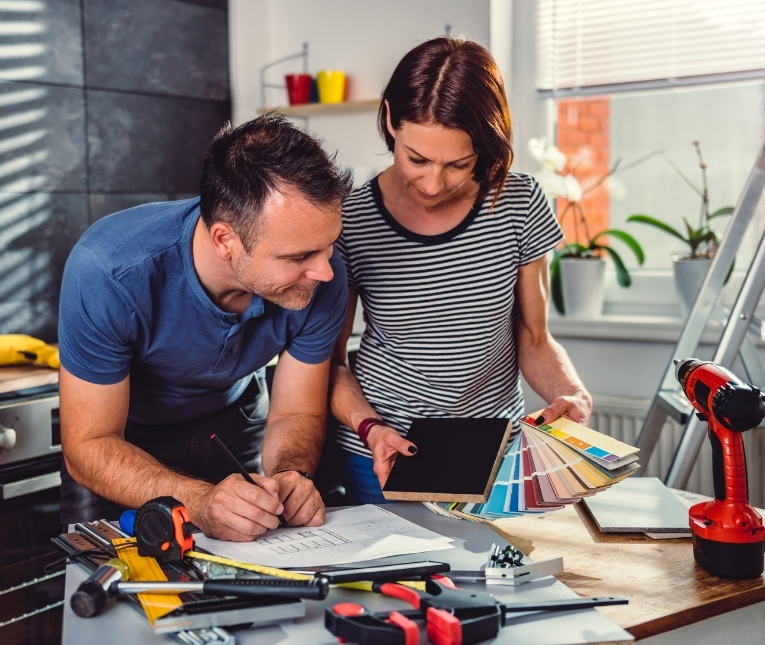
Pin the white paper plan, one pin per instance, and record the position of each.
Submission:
(349, 535)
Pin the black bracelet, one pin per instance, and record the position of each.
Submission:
(299, 472)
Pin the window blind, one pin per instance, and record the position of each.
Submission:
(601, 45)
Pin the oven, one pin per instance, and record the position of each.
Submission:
(30, 440)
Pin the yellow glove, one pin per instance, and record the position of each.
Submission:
(18, 349)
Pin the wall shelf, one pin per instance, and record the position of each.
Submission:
(317, 109)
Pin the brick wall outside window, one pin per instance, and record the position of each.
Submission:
(583, 131)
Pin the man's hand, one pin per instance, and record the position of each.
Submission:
(303, 505)
(386, 444)
(576, 407)
(235, 509)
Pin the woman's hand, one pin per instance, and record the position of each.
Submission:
(386, 444)
(576, 407)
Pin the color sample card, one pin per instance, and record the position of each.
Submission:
(592, 444)
(547, 467)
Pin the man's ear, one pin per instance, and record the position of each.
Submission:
(223, 239)
(388, 123)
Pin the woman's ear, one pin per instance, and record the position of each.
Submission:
(388, 123)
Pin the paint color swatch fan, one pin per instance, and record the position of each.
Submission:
(547, 467)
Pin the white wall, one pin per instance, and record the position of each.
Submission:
(365, 38)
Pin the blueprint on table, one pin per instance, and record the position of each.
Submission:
(349, 535)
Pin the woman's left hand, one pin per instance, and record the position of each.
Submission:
(576, 407)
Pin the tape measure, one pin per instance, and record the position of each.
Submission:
(163, 528)
(257, 568)
(146, 569)
(291, 575)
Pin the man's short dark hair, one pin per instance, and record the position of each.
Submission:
(244, 165)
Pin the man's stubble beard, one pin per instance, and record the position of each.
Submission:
(296, 302)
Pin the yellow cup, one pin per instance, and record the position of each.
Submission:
(331, 86)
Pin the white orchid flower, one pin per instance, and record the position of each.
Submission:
(554, 159)
(553, 184)
(548, 156)
(573, 191)
(537, 147)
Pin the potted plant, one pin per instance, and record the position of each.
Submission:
(691, 268)
(577, 270)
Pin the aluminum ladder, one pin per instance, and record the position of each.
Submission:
(669, 400)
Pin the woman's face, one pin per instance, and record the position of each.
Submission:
(435, 163)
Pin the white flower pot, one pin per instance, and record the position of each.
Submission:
(689, 274)
(582, 280)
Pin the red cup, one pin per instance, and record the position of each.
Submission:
(298, 88)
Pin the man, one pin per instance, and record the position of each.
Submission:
(169, 313)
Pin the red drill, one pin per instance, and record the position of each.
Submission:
(728, 534)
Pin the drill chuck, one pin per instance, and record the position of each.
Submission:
(738, 406)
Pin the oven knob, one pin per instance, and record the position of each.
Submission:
(7, 438)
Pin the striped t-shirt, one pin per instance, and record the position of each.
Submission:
(439, 338)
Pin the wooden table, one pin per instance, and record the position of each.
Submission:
(20, 377)
(665, 586)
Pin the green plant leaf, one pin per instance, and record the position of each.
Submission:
(556, 286)
(625, 237)
(707, 237)
(622, 275)
(725, 210)
(652, 221)
(730, 271)
(574, 248)
(693, 233)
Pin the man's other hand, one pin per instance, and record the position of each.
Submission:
(303, 505)
(236, 510)
(386, 444)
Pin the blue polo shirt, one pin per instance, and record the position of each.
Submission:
(132, 304)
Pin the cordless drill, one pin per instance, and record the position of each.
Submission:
(728, 535)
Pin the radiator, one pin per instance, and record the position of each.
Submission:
(622, 418)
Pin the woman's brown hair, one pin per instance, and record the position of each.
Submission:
(454, 83)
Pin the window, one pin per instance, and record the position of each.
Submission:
(647, 79)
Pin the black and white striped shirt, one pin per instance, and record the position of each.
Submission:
(438, 309)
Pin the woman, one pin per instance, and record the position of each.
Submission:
(447, 251)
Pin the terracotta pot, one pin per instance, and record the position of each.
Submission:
(689, 274)
(582, 280)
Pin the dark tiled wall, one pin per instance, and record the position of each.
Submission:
(104, 104)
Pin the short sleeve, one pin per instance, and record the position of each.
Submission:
(96, 328)
(316, 339)
(342, 251)
(541, 231)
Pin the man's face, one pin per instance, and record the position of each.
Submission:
(291, 255)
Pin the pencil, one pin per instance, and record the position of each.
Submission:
(240, 468)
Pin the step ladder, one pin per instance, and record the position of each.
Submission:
(669, 399)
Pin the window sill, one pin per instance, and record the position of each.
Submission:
(632, 328)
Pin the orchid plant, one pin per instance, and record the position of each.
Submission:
(557, 178)
(701, 240)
